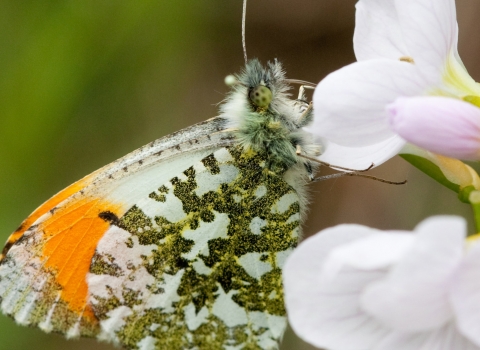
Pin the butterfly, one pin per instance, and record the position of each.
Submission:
(179, 244)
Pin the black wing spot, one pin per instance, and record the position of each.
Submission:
(21, 239)
(181, 263)
(157, 197)
(108, 216)
(163, 189)
(7, 247)
(211, 164)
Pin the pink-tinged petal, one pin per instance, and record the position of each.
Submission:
(327, 314)
(465, 294)
(377, 31)
(360, 158)
(414, 296)
(350, 103)
(445, 338)
(430, 32)
(439, 124)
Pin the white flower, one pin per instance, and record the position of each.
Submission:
(404, 48)
(351, 287)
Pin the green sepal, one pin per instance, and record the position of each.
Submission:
(474, 100)
(431, 169)
(464, 194)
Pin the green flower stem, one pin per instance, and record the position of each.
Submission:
(475, 202)
(451, 173)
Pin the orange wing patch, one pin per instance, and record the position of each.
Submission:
(43, 276)
(43, 209)
(71, 236)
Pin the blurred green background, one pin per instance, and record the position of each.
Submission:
(84, 82)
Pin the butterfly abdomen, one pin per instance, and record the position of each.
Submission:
(263, 132)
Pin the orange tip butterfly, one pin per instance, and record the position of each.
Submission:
(179, 244)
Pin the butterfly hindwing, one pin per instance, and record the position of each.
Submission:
(45, 262)
(197, 263)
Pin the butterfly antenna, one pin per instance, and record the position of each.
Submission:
(244, 16)
(331, 166)
(345, 171)
(334, 176)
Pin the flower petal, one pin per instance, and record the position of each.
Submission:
(377, 31)
(327, 314)
(465, 294)
(350, 103)
(445, 338)
(430, 32)
(457, 81)
(377, 251)
(414, 296)
(360, 157)
(442, 125)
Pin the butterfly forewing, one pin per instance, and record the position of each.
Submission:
(197, 262)
(206, 134)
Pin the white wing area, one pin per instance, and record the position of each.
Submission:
(173, 274)
(170, 153)
(129, 190)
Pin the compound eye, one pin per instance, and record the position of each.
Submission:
(261, 96)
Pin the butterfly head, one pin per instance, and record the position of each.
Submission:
(261, 96)
(263, 117)
(262, 87)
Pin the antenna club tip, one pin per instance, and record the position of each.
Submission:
(230, 80)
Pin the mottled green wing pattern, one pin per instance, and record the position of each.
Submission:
(197, 264)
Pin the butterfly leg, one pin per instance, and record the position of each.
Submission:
(301, 92)
(309, 168)
(307, 115)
